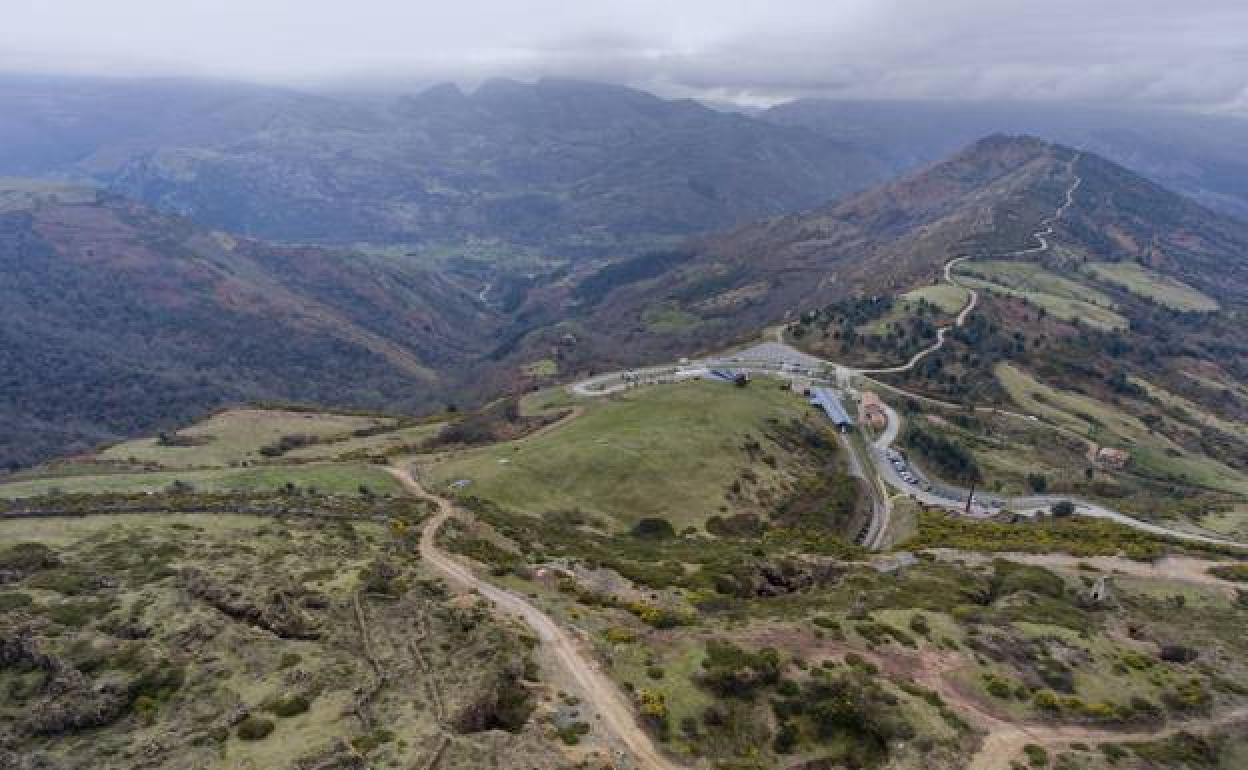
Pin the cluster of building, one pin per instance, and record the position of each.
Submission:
(827, 400)
(872, 411)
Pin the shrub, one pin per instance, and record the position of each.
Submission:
(1036, 755)
(849, 707)
(370, 741)
(77, 614)
(145, 708)
(1046, 700)
(571, 734)
(620, 635)
(658, 617)
(255, 728)
(61, 581)
(880, 633)
(382, 577)
(738, 525)
(653, 707)
(15, 601)
(730, 671)
(1177, 653)
(919, 625)
(289, 706)
(997, 686)
(1236, 572)
(1137, 661)
(786, 738)
(950, 458)
(1188, 696)
(653, 528)
(1009, 578)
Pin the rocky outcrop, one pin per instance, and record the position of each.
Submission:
(765, 579)
(277, 614)
(69, 700)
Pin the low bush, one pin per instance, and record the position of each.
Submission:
(571, 734)
(1236, 572)
(1177, 653)
(288, 706)
(15, 601)
(1036, 755)
(620, 635)
(730, 671)
(654, 528)
(254, 728)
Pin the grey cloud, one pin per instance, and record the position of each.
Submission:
(1146, 51)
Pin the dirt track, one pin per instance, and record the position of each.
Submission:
(1006, 742)
(616, 715)
(1182, 568)
(1003, 743)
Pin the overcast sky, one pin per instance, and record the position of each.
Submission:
(1192, 53)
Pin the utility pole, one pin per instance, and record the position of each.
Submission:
(969, 497)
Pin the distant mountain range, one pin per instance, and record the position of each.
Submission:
(1204, 157)
(569, 167)
(566, 168)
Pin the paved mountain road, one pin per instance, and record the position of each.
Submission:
(1042, 237)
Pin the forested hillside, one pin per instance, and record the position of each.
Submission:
(117, 320)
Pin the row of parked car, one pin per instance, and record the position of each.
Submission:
(898, 461)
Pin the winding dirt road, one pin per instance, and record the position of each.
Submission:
(616, 714)
(1003, 742)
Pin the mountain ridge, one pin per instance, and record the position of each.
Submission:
(572, 167)
(984, 200)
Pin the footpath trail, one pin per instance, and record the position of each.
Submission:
(1005, 741)
(616, 715)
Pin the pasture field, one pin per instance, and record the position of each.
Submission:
(1159, 288)
(666, 317)
(543, 367)
(1151, 452)
(236, 436)
(328, 478)
(670, 451)
(1193, 413)
(949, 298)
(377, 444)
(1060, 296)
(1086, 416)
(945, 298)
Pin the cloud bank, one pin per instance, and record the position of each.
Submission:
(1143, 51)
